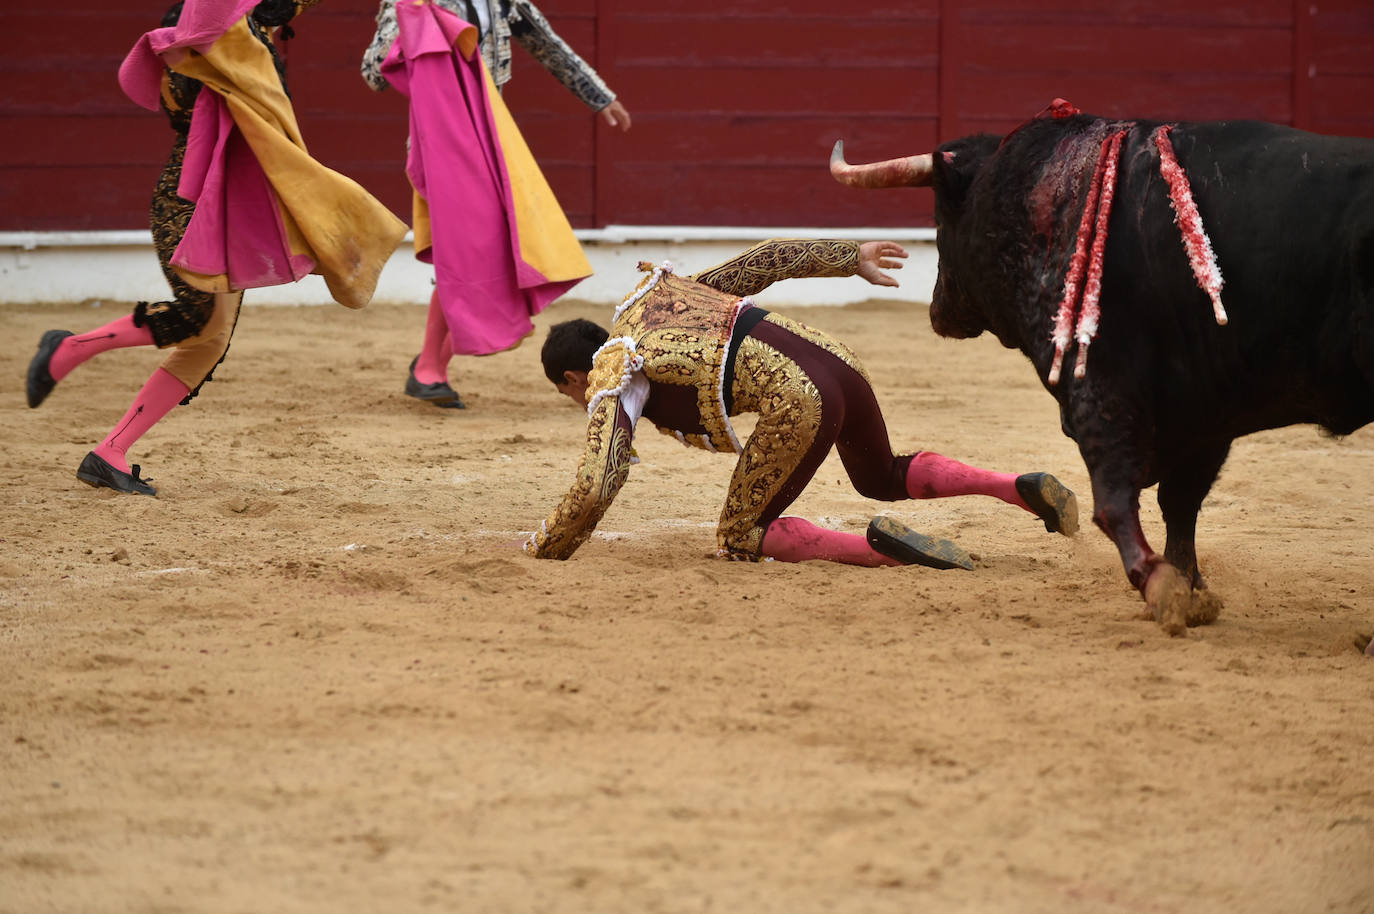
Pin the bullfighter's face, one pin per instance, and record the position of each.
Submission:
(574, 387)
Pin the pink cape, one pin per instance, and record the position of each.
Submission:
(487, 290)
(236, 230)
(201, 24)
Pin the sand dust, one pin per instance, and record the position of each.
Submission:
(315, 675)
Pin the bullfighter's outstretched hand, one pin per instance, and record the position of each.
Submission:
(876, 256)
(616, 116)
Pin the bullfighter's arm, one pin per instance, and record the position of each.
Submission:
(529, 27)
(770, 261)
(381, 45)
(619, 394)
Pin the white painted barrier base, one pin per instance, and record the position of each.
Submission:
(64, 267)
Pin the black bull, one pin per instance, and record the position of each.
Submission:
(1166, 389)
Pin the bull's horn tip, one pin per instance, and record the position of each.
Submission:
(837, 154)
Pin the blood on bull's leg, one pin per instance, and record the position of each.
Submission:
(1116, 511)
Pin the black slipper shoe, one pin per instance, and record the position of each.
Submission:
(1051, 501)
(440, 393)
(40, 380)
(96, 471)
(900, 542)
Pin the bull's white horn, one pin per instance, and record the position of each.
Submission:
(908, 171)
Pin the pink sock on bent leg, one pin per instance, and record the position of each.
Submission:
(118, 334)
(431, 367)
(932, 476)
(792, 539)
(160, 393)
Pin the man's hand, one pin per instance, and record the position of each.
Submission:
(876, 256)
(616, 116)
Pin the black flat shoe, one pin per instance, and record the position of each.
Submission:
(40, 381)
(440, 394)
(96, 471)
(900, 542)
(1051, 501)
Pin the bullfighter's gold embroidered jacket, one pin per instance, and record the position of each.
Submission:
(671, 332)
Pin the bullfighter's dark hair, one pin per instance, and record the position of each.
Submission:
(570, 347)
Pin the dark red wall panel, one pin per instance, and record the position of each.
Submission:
(735, 106)
(1164, 60)
(1341, 71)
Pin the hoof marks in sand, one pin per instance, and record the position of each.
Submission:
(1205, 608)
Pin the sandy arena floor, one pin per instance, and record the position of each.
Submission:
(316, 674)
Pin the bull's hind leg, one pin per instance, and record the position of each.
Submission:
(1181, 492)
(1116, 511)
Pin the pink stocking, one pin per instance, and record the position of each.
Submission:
(161, 392)
(933, 476)
(792, 539)
(118, 334)
(432, 365)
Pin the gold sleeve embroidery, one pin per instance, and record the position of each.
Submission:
(770, 261)
(612, 366)
(601, 472)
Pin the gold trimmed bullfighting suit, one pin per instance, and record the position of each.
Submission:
(689, 353)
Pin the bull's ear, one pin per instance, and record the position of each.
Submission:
(957, 163)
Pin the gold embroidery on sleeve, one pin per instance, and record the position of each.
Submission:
(602, 471)
(771, 261)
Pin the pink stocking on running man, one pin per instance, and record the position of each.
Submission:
(160, 393)
(118, 334)
(432, 365)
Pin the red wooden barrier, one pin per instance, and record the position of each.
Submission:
(735, 106)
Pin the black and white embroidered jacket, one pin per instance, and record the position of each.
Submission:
(503, 20)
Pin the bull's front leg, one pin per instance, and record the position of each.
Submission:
(1116, 511)
(1117, 478)
(1115, 435)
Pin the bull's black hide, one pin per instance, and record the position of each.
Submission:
(1291, 219)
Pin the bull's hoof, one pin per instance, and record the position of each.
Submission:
(1169, 597)
(1205, 608)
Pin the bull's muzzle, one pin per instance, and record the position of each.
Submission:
(908, 171)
